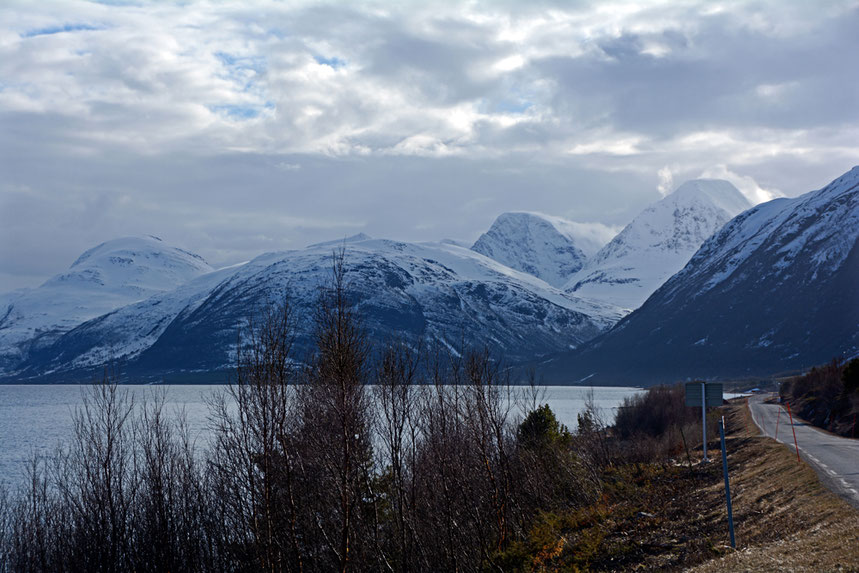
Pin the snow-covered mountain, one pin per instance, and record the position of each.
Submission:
(546, 247)
(437, 292)
(657, 243)
(774, 290)
(104, 278)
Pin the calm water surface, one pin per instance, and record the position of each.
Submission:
(35, 419)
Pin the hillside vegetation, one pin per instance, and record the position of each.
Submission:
(827, 396)
(440, 465)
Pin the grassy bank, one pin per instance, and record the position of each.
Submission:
(786, 519)
(670, 516)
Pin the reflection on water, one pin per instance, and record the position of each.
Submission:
(34, 419)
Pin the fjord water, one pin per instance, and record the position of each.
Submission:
(34, 419)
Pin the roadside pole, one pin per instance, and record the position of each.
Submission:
(727, 483)
(704, 417)
(795, 445)
(711, 394)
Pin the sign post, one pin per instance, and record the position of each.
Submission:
(706, 395)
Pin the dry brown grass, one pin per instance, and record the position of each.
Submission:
(785, 519)
(672, 517)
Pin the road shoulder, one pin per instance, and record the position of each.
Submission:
(786, 520)
(834, 448)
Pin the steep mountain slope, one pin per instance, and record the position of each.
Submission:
(549, 248)
(438, 292)
(774, 290)
(657, 243)
(106, 277)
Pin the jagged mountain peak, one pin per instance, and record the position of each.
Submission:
(718, 192)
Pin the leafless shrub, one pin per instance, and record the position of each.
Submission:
(171, 518)
(397, 373)
(335, 431)
(308, 469)
(652, 425)
(251, 465)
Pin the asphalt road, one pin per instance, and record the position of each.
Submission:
(835, 459)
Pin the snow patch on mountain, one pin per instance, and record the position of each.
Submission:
(109, 276)
(546, 247)
(821, 227)
(657, 243)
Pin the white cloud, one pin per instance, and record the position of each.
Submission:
(745, 183)
(666, 181)
(534, 99)
(509, 63)
(612, 145)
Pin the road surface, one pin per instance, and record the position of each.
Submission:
(835, 459)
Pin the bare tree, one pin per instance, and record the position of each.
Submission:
(251, 462)
(336, 423)
(171, 518)
(96, 480)
(397, 373)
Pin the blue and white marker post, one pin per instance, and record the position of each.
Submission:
(727, 484)
(704, 418)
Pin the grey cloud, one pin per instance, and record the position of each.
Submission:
(710, 79)
(177, 120)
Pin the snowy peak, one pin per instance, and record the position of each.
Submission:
(546, 247)
(773, 291)
(135, 265)
(716, 192)
(680, 222)
(796, 239)
(106, 277)
(657, 243)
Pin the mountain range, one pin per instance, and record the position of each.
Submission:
(746, 284)
(437, 292)
(776, 289)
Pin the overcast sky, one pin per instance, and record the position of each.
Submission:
(234, 128)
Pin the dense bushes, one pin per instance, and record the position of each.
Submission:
(309, 469)
(827, 396)
(657, 423)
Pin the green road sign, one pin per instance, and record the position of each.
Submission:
(712, 392)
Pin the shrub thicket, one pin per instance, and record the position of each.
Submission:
(657, 423)
(309, 469)
(827, 396)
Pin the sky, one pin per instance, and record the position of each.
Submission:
(235, 128)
